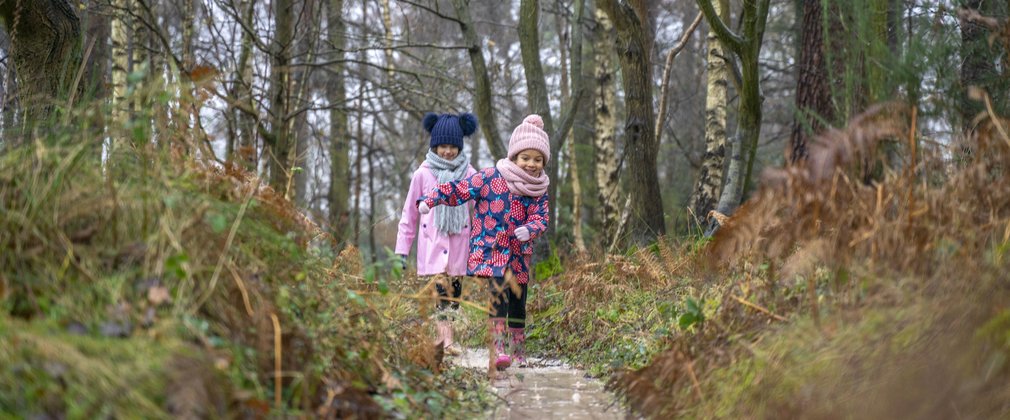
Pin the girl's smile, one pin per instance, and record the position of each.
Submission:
(531, 161)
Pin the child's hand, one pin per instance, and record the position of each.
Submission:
(423, 208)
(523, 234)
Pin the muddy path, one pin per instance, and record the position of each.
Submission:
(546, 389)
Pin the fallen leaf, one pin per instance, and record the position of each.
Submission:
(158, 295)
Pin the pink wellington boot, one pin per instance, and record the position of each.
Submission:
(518, 346)
(497, 331)
(445, 337)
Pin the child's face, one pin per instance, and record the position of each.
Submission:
(447, 151)
(531, 161)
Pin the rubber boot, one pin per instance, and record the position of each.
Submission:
(445, 337)
(518, 346)
(497, 331)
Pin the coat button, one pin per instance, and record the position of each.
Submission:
(424, 225)
(445, 251)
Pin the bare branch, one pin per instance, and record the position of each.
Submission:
(665, 87)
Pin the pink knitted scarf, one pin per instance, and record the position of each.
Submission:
(520, 182)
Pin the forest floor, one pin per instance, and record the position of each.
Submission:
(548, 388)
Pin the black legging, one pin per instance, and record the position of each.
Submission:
(443, 295)
(508, 301)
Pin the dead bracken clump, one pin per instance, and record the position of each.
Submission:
(826, 237)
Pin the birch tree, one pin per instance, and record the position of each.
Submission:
(709, 182)
(747, 47)
(122, 61)
(607, 169)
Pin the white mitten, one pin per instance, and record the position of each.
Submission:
(523, 234)
(423, 208)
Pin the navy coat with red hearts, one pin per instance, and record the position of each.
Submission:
(497, 213)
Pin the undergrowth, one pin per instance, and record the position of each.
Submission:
(141, 282)
(835, 292)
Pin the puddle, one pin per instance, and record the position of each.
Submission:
(546, 389)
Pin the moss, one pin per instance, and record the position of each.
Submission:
(50, 371)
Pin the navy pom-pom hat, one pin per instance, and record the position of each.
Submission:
(449, 128)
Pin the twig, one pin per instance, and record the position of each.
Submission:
(241, 288)
(665, 88)
(694, 380)
(759, 308)
(227, 245)
(277, 360)
(80, 73)
(994, 117)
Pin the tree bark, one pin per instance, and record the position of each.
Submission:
(246, 128)
(634, 47)
(977, 65)
(45, 36)
(748, 48)
(483, 103)
(709, 183)
(813, 94)
(279, 139)
(536, 94)
(122, 60)
(573, 156)
(605, 126)
(336, 93)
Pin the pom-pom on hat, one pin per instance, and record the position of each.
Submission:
(530, 134)
(449, 128)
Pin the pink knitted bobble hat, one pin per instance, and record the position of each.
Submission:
(530, 135)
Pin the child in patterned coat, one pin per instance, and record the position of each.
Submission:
(442, 241)
(511, 210)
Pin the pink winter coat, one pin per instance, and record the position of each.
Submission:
(436, 252)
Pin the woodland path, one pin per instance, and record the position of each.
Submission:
(548, 389)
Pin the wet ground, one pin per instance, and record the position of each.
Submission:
(548, 389)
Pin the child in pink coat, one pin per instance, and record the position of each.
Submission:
(511, 210)
(442, 243)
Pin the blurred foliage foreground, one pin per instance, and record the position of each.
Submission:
(868, 282)
(147, 285)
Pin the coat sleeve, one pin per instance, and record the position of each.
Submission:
(454, 193)
(409, 217)
(539, 215)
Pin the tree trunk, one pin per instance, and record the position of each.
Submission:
(246, 128)
(371, 195)
(813, 95)
(303, 84)
(605, 126)
(279, 139)
(336, 94)
(573, 155)
(748, 48)
(536, 93)
(634, 48)
(44, 37)
(122, 61)
(359, 149)
(96, 76)
(483, 104)
(707, 186)
(977, 65)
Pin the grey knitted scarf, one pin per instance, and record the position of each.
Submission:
(448, 220)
